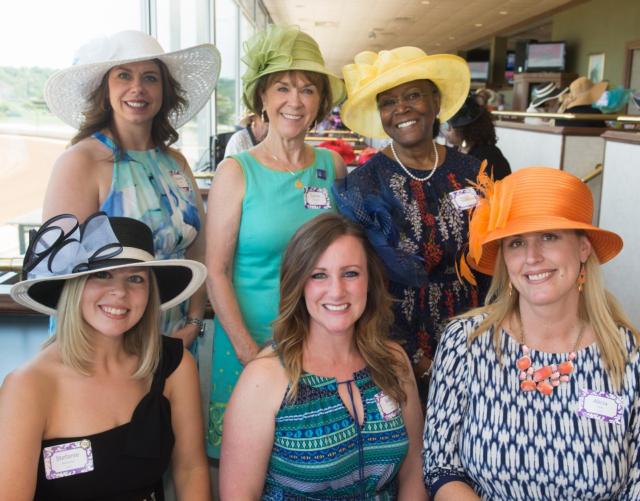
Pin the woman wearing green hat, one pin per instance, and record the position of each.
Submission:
(412, 197)
(260, 197)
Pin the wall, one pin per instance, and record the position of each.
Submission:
(599, 26)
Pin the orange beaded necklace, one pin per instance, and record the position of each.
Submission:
(547, 377)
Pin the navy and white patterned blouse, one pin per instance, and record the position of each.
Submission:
(480, 427)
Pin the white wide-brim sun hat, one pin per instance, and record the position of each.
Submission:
(196, 69)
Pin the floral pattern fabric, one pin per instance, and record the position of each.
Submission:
(431, 230)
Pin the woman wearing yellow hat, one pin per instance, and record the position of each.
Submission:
(261, 196)
(537, 394)
(412, 197)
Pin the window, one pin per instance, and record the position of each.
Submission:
(227, 95)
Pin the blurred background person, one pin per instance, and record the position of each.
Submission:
(127, 97)
(583, 93)
(332, 407)
(260, 197)
(254, 130)
(545, 98)
(413, 196)
(550, 363)
(471, 131)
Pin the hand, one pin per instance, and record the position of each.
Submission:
(247, 352)
(188, 333)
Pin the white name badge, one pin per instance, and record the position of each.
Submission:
(316, 198)
(387, 406)
(65, 460)
(600, 405)
(180, 180)
(464, 199)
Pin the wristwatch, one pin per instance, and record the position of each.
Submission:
(196, 321)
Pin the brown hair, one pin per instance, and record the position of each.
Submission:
(320, 81)
(291, 327)
(99, 115)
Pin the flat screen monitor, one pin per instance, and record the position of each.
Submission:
(546, 56)
(479, 70)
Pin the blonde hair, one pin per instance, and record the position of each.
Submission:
(75, 341)
(291, 327)
(597, 308)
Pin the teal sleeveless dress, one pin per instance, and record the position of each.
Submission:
(150, 186)
(320, 452)
(272, 210)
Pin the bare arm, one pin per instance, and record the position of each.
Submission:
(223, 222)
(339, 165)
(411, 484)
(195, 251)
(188, 461)
(248, 429)
(22, 420)
(456, 490)
(74, 185)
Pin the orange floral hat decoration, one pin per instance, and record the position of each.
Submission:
(533, 199)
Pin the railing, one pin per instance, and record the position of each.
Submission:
(597, 171)
(633, 119)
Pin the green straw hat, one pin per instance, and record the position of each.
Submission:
(283, 48)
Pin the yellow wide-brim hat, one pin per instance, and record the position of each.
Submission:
(372, 73)
(533, 199)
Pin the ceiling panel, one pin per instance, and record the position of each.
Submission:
(346, 27)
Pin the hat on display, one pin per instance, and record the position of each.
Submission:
(196, 69)
(372, 73)
(547, 91)
(63, 249)
(469, 113)
(283, 48)
(529, 200)
(583, 91)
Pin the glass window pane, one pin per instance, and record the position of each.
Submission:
(227, 42)
(181, 24)
(38, 37)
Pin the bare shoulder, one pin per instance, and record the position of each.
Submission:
(85, 154)
(229, 167)
(180, 159)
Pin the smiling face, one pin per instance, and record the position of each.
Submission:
(292, 102)
(336, 292)
(135, 92)
(408, 112)
(114, 301)
(544, 266)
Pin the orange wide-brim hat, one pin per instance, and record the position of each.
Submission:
(529, 200)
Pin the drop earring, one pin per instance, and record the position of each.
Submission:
(263, 115)
(582, 278)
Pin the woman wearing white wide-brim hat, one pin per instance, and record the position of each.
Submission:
(108, 403)
(127, 97)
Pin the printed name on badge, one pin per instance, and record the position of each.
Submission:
(180, 180)
(316, 198)
(464, 199)
(65, 460)
(600, 405)
(387, 406)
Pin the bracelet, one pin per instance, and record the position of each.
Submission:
(196, 321)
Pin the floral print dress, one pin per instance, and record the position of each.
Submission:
(420, 235)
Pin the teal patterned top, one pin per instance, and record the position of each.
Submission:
(320, 453)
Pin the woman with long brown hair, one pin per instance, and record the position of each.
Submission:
(331, 410)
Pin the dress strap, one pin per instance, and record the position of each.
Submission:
(105, 140)
(358, 428)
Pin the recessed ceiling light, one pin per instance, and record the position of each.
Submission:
(503, 12)
(425, 2)
(478, 25)
(452, 38)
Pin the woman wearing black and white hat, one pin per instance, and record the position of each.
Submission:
(108, 402)
(127, 98)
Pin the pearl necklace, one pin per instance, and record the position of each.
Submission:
(547, 377)
(412, 176)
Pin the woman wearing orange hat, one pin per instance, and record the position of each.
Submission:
(413, 197)
(537, 394)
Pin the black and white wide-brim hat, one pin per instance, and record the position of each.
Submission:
(196, 68)
(62, 249)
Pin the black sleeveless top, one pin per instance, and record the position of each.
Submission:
(129, 460)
